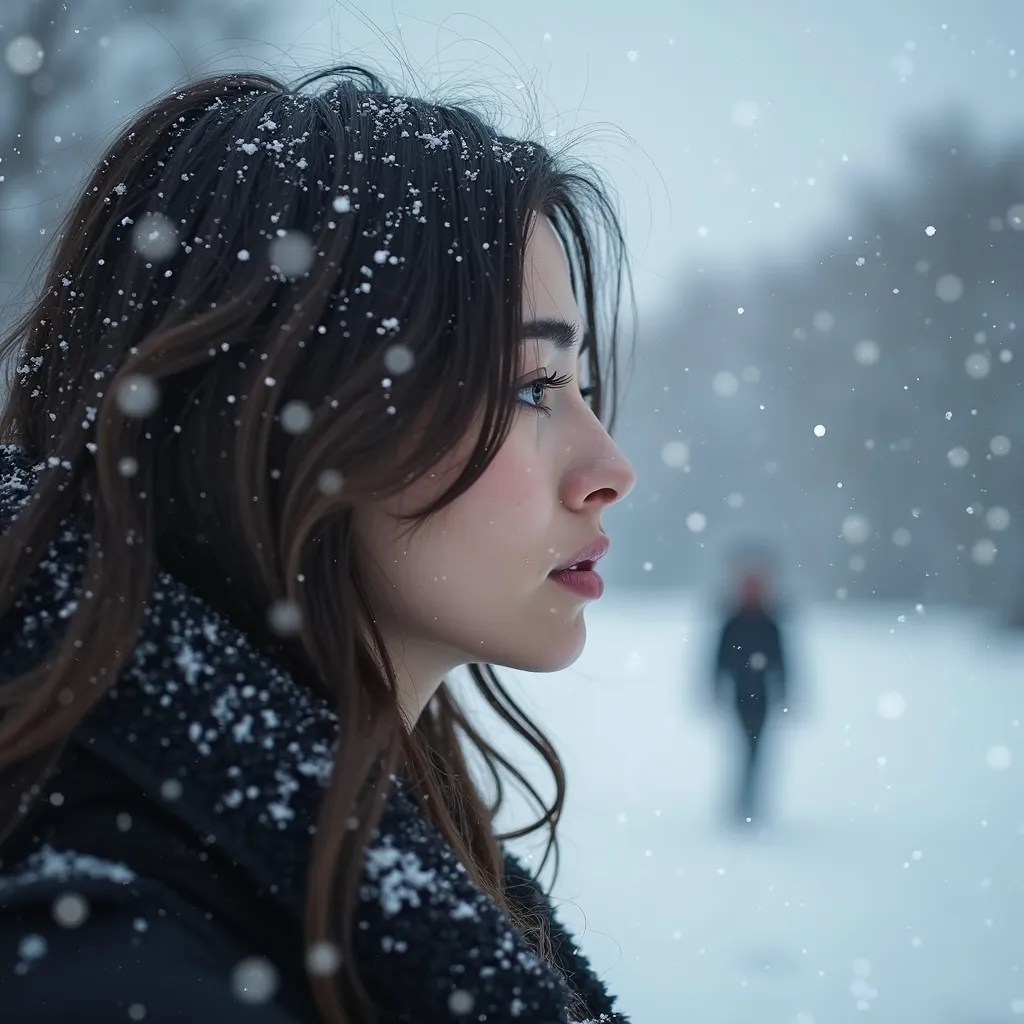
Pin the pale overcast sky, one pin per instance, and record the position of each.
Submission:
(729, 107)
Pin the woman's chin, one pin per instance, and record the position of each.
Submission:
(557, 652)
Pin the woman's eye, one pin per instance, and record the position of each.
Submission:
(533, 393)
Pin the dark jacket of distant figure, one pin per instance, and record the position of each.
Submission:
(750, 660)
(160, 875)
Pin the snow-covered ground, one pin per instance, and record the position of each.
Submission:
(890, 886)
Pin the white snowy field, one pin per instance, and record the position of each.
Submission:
(890, 884)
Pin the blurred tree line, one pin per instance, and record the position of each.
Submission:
(70, 73)
(860, 406)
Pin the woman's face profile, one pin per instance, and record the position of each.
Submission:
(472, 583)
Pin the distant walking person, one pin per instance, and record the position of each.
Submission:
(750, 679)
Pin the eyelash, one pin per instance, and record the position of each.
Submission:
(550, 383)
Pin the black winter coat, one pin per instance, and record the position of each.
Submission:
(160, 876)
(750, 656)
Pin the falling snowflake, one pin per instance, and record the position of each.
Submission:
(977, 365)
(984, 551)
(398, 359)
(285, 618)
(254, 980)
(949, 288)
(725, 384)
(892, 705)
(70, 910)
(291, 254)
(675, 454)
(24, 55)
(461, 1002)
(296, 418)
(958, 457)
(155, 238)
(137, 396)
(997, 518)
(330, 482)
(867, 352)
(323, 958)
(856, 529)
(32, 947)
(171, 789)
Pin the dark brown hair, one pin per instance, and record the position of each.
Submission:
(258, 258)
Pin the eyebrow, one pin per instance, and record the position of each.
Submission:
(563, 334)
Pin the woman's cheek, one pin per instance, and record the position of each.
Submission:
(515, 478)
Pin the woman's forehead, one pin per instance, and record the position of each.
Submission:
(547, 285)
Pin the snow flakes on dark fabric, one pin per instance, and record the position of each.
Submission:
(50, 865)
(230, 744)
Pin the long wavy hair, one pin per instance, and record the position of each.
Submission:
(269, 304)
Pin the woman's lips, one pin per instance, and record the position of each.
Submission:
(586, 557)
(584, 582)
